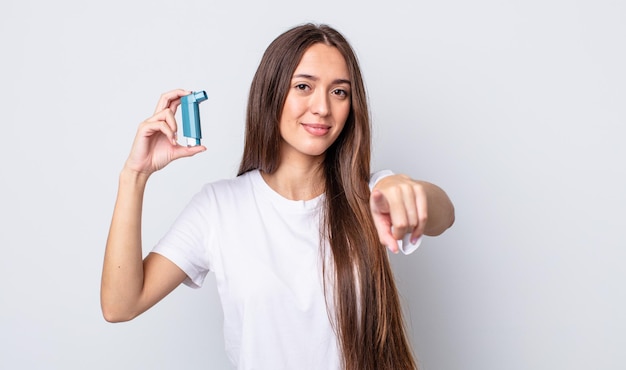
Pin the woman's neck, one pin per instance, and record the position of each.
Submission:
(297, 181)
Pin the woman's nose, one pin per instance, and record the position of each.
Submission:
(320, 104)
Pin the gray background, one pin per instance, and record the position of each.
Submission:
(515, 108)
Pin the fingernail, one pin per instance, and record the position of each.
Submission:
(414, 240)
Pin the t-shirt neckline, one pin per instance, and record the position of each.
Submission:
(280, 201)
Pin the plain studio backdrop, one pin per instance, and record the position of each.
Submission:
(517, 109)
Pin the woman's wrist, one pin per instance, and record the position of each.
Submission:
(134, 177)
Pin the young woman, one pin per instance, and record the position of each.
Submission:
(296, 240)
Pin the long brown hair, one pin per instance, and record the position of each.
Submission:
(367, 312)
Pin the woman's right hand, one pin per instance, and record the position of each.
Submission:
(155, 144)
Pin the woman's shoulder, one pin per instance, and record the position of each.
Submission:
(237, 185)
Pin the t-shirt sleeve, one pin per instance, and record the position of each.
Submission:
(377, 176)
(186, 243)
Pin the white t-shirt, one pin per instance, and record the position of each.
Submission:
(265, 253)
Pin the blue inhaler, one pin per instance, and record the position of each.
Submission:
(191, 116)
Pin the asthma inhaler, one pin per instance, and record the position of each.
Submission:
(191, 116)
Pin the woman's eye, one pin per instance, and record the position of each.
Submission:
(340, 92)
(301, 87)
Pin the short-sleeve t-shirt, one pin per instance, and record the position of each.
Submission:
(265, 253)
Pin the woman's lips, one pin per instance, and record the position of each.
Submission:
(316, 129)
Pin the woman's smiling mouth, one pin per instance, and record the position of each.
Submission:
(316, 129)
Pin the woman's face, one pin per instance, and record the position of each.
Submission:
(317, 104)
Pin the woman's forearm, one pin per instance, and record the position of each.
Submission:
(122, 273)
(440, 209)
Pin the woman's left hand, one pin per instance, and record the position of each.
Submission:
(399, 206)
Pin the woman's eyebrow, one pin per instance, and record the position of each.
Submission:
(315, 78)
